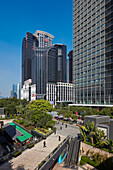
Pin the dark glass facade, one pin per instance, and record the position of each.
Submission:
(39, 60)
(52, 65)
(27, 53)
(61, 62)
(70, 55)
(43, 62)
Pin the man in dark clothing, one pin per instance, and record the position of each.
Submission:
(44, 144)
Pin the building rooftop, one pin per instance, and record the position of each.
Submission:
(91, 105)
(96, 116)
(15, 132)
(12, 131)
(43, 32)
(25, 135)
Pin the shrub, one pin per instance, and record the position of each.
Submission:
(26, 123)
(86, 159)
(30, 145)
(19, 121)
(17, 153)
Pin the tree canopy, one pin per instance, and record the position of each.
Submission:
(36, 115)
(40, 105)
(92, 111)
(12, 105)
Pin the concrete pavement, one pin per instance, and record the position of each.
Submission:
(71, 130)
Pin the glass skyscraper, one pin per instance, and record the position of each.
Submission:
(42, 62)
(93, 51)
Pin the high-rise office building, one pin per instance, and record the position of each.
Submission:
(61, 62)
(27, 53)
(13, 92)
(35, 50)
(70, 55)
(67, 69)
(92, 51)
(42, 62)
(19, 91)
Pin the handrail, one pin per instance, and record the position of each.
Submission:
(66, 159)
(76, 153)
(74, 148)
(70, 152)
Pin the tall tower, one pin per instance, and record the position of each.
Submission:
(92, 51)
(42, 62)
(61, 62)
(70, 55)
(27, 53)
(35, 50)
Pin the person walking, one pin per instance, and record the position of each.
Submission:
(59, 138)
(44, 144)
(60, 127)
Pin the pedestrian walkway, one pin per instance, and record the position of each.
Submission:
(31, 158)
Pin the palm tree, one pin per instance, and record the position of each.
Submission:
(110, 144)
(83, 134)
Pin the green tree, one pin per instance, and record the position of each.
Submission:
(40, 105)
(10, 105)
(83, 134)
(20, 109)
(36, 114)
(110, 144)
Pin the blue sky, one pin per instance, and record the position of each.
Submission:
(21, 16)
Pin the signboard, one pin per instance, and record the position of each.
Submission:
(46, 40)
(40, 96)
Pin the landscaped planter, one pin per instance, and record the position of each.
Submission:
(38, 134)
(30, 145)
(87, 147)
(17, 153)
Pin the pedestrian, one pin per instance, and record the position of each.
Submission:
(44, 144)
(55, 131)
(60, 127)
(66, 125)
(59, 138)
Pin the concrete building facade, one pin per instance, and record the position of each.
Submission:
(102, 122)
(60, 92)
